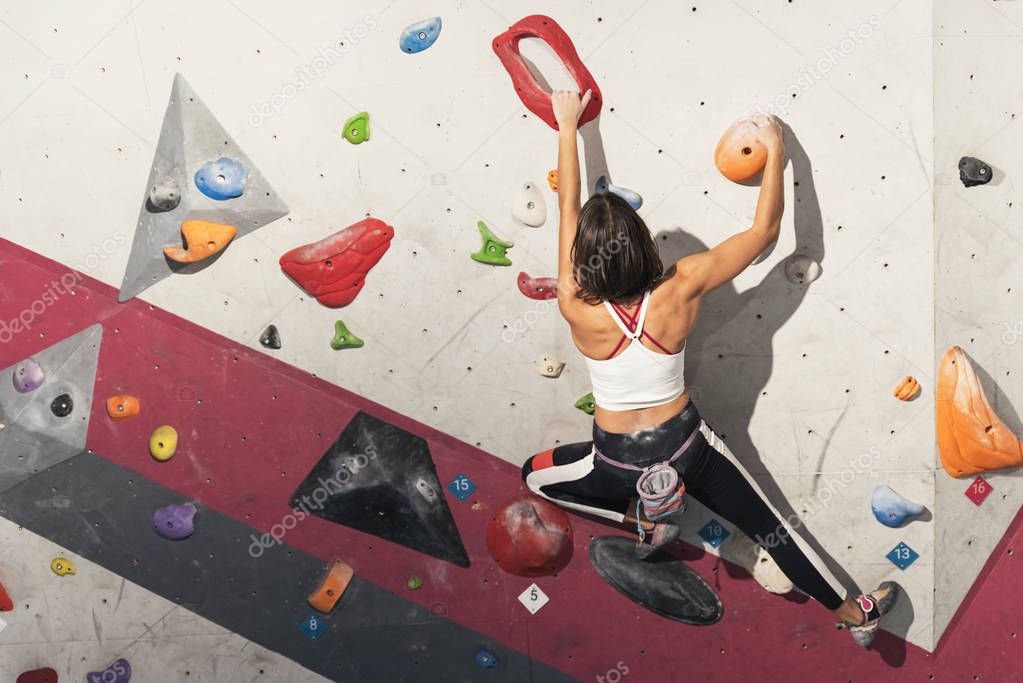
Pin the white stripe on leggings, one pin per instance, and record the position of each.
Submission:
(717, 444)
(574, 471)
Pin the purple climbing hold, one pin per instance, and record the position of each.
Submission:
(175, 521)
(28, 376)
(119, 671)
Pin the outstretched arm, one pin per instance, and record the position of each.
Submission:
(711, 269)
(568, 107)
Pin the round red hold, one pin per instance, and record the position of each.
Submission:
(529, 536)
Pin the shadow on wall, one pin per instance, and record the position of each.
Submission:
(734, 336)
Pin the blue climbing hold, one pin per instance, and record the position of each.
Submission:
(891, 509)
(221, 179)
(420, 35)
(631, 196)
(486, 659)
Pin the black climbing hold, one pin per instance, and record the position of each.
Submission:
(381, 480)
(973, 172)
(62, 405)
(271, 338)
(660, 583)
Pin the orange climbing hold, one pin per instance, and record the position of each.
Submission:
(122, 406)
(907, 388)
(971, 438)
(6, 604)
(333, 587)
(204, 239)
(740, 155)
(552, 179)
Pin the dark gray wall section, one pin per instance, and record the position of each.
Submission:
(373, 635)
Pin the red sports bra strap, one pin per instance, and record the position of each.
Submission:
(617, 347)
(655, 343)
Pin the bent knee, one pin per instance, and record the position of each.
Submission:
(535, 463)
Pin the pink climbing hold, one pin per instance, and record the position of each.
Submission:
(334, 269)
(538, 287)
(528, 536)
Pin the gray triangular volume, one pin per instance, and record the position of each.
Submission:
(190, 137)
(35, 436)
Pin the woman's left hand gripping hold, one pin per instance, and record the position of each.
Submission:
(568, 107)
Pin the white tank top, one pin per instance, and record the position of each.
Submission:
(638, 377)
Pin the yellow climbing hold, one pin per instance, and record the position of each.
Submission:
(62, 566)
(163, 442)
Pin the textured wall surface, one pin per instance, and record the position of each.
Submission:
(797, 378)
(977, 262)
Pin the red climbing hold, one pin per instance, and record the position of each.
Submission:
(528, 536)
(538, 287)
(334, 269)
(6, 604)
(46, 675)
(533, 95)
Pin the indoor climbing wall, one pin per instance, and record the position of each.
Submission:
(976, 300)
(326, 235)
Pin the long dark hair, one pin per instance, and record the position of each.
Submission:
(614, 256)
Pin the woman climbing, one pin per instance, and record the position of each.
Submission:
(630, 319)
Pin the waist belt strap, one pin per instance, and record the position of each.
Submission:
(658, 485)
(626, 466)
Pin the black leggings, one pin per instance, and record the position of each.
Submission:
(572, 477)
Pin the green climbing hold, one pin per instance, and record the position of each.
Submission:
(357, 128)
(587, 404)
(343, 338)
(494, 250)
(414, 582)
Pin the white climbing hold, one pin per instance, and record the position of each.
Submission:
(802, 270)
(550, 367)
(529, 207)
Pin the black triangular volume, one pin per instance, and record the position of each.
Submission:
(381, 480)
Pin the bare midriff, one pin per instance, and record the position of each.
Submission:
(625, 421)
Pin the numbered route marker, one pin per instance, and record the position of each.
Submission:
(902, 556)
(714, 533)
(533, 599)
(462, 487)
(979, 489)
(312, 627)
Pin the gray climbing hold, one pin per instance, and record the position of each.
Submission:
(190, 137)
(37, 432)
(973, 171)
(270, 338)
(802, 270)
(164, 196)
(604, 185)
